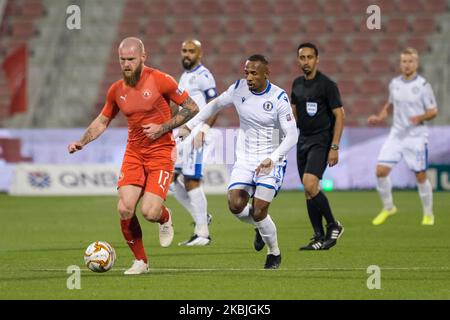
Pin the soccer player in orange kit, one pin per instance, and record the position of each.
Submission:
(143, 96)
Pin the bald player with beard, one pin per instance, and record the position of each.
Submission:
(198, 81)
(143, 96)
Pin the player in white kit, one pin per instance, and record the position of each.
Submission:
(265, 116)
(412, 99)
(201, 86)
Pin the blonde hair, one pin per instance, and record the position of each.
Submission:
(412, 51)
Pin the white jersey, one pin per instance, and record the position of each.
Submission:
(200, 84)
(410, 98)
(262, 116)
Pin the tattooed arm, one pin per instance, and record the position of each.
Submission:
(188, 111)
(95, 129)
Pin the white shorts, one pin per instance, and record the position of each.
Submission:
(189, 159)
(412, 149)
(264, 187)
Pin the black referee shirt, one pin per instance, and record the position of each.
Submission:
(314, 100)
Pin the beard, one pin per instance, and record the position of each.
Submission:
(187, 64)
(132, 80)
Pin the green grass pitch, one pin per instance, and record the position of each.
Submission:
(41, 236)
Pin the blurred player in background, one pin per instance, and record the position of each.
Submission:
(143, 97)
(412, 100)
(199, 83)
(265, 116)
(316, 103)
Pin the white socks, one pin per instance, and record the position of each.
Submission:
(426, 196)
(195, 203)
(266, 227)
(384, 188)
(268, 232)
(199, 211)
(245, 215)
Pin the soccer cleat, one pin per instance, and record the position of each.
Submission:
(196, 240)
(272, 261)
(138, 267)
(428, 220)
(334, 232)
(166, 232)
(383, 215)
(258, 243)
(315, 244)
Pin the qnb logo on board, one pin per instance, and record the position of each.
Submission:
(39, 179)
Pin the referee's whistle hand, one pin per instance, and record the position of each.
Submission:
(333, 158)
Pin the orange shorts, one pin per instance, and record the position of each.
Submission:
(155, 181)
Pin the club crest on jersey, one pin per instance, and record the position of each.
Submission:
(415, 90)
(146, 94)
(268, 106)
(311, 108)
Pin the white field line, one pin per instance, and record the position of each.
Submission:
(255, 269)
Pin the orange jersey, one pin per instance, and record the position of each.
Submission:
(147, 102)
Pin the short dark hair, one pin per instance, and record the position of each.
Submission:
(309, 45)
(258, 57)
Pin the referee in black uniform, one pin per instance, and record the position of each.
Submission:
(317, 106)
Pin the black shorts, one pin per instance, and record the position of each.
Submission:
(312, 154)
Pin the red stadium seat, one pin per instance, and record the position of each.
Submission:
(263, 26)
(328, 65)
(208, 7)
(234, 7)
(397, 26)
(133, 8)
(352, 66)
(129, 28)
(343, 25)
(182, 8)
(410, 6)
(371, 86)
(386, 6)
(22, 30)
(291, 25)
(308, 7)
(380, 66)
(183, 27)
(229, 46)
(236, 26)
(33, 9)
(358, 7)
(316, 26)
(388, 45)
(253, 46)
(363, 107)
(155, 28)
(222, 67)
(361, 45)
(283, 46)
(277, 66)
(284, 7)
(423, 25)
(335, 46)
(435, 6)
(260, 8)
(159, 8)
(417, 42)
(333, 7)
(347, 86)
(209, 27)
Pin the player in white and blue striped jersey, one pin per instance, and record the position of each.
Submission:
(265, 117)
(198, 81)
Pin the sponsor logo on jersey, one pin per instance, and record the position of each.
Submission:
(268, 106)
(311, 108)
